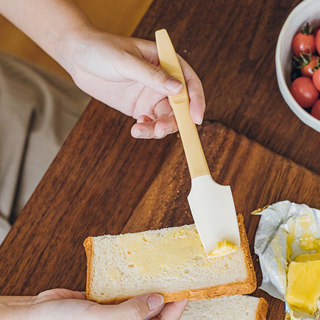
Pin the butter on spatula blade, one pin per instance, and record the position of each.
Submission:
(211, 204)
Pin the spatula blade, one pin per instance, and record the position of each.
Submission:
(213, 211)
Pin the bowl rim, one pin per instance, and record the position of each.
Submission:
(302, 114)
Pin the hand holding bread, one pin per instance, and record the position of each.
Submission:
(65, 304)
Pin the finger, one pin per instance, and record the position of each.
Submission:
(55, 294)
(147, 49)
(163, 109)
(173, 310)
(157, 129)
(138, 308)
(155, 312)
(165, 126)
(143, 130)
(195, 90)
(143, 119)
(197, 101)
(145, 103)
(154, 77)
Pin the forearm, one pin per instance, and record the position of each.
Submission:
(52, 24)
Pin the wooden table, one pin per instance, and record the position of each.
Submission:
(104, 181)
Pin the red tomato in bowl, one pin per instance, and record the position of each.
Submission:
(305, 63)
(304, 41)
(317, 39)
(304, 92)
(307, 70)
(315, 111)
(316, 78)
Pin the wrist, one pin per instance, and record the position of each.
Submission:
(72, 43)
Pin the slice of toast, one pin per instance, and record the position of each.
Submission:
(227, 308)
(170, 261)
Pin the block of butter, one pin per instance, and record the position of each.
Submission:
(303, 289)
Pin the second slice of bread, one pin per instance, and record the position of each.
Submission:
(239, 307)
(169, 261)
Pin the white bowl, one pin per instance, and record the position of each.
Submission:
(306, 11)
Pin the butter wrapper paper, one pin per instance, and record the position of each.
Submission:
(276, 223)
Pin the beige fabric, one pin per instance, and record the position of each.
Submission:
(37, 111)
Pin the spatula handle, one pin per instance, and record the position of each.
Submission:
(181, 107)
(190, 139)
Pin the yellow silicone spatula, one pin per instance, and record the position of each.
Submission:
(211, 204)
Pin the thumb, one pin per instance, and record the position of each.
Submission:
(139, 308)
(152, 76)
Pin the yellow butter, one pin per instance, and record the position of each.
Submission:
(303, 289)
(307, 241)
(310, 243)
(223, 248)
(307, 257)
(149, 253)
(303, 274)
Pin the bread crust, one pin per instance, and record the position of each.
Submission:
(262, 309)
(88, 248)
(242, 287)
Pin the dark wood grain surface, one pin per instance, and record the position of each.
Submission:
(104, 181)
(231, 44)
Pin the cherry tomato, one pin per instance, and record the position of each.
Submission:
(315, 111)
(304, 41)
(307, 70)
(318, 41)
(305, 63)
(304, 92)
(316, 78)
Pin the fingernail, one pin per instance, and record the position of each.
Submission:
(154, 301)
(143, 119)
(198, 119)
(173, 85)
(141, 133)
